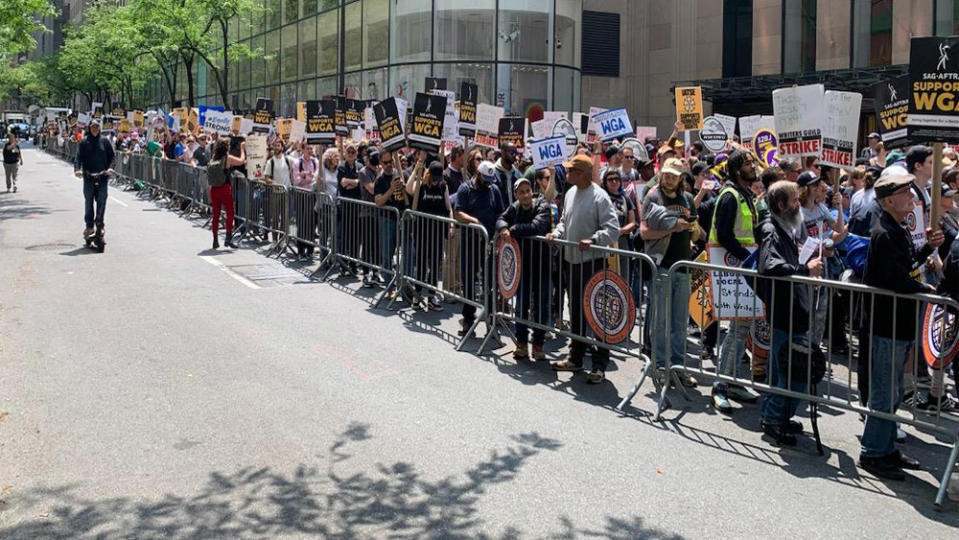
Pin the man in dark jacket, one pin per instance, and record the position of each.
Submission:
(94, 156)
(787, 304)
(524, 219)
(892, 264)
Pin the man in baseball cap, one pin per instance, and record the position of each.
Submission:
(872, 147)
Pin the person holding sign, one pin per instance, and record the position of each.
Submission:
(892, 264)
(734, 222)
(506, 171)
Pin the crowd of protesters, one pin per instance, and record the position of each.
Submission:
(669, 206)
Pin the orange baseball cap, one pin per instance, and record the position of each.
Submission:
(581, 163)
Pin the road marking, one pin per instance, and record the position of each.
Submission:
(118, 201)
(229, 272)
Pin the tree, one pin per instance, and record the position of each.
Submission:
(220, 14)
(19, 19)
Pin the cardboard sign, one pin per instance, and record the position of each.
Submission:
(301, 111)
(434, 83)
(749, 125)
(841, 129)
(548, 152)
(320, 127)
(689, 107)
(388, 120)
(713, 134)
(193, 121)
(450, 128)
(934, 95)
(297, 130)
(487, 125)
(800, 114)
(369, 124)
(83, 119)
(429, 113)
(467, 121)
(732, 297)
(256, 154)
(541, 129)
(512, 129)
(96, 110)
(262, 115)
(565, 128)
(892, 110)
(218, 122)
(612, 124)
(728, 122)
(283, 126)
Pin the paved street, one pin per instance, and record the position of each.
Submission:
(164, 390)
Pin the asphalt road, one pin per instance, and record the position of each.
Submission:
(162, 390)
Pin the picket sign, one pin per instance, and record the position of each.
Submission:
(841, 129)
(612, 124)
(548, 152)
(749, 125)
(732, 297)
(218, 122)
(800, 114)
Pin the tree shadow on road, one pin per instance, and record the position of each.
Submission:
(326, 499)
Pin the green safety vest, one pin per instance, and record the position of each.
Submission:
(745, 224)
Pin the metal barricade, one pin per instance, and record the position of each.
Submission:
(312, 223)
(200, 190)
(270, 213)
(915, 334)
(367, 236)
(183, 186)
(424, 239)
(242, 200)
(593, 297)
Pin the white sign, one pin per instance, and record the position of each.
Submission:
(800, 115)
(541, 129)
(591, 127)
(713, 134)
(733, 298)
(451, 125)
(645, 131)
(297, 130)
(401, 106)
(547, 152)
(749, 125)
(487, 117)
(841, 129)
(246, 126)
(612, 124)
(218, 122)
(255, 156)
(729, 124)
(552, 116)
(83, 119)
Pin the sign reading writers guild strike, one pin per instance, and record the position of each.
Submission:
(713, 134)
(468, 94)
(841, 129)
(892, 108)
(689, 107)
(426, 132)
(934, 99)
(511, 130)
(389, 123)
(800, 115)
(319, 121)
(262, 114)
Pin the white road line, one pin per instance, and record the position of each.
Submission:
(118, 201)
(229, 272)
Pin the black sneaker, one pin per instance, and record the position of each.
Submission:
(881, 467)
(367, 282)
(780, 435)
(903, 461)
(915, 399)
(938, 403)
(464, 327)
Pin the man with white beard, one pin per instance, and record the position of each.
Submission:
(787, 304)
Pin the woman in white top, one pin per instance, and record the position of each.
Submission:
(331, 160)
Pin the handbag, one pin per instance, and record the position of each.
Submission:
(808, 363)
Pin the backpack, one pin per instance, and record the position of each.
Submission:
(216, 173)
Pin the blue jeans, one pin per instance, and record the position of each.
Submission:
(94, 191)
(776, 409)
(676, 292)
(886, 367)
(731, 352)
(535, 291)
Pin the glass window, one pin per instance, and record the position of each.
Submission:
(522, 89)
(376, 32)
(352, 38)
(273, 58)
(799, 36)
(287, 106)
(291, 11)
(737, 38)
(410, 21)
(244, 70)
(565, 90)
(568, 28)
(328, 4)
(351, 84)
(307, 47)
(244, 25)
(327, 30)
(947, 22)
(259, 64)
(274, 13)
(464, 30)
(374, 85)
(477, 73)
(290, 52)
(406, 81)
(880, 42)
(306, 90)
(309, 8)
(326, 87)
(525, 31)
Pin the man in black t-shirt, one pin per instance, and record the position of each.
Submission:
(389, 191)
(453, 174)
(669, 226)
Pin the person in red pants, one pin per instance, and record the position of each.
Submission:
(221, 193)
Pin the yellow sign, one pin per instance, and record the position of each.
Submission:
(301, 111)
(193, 122)
(283, 127)
(124, 126)
(689, 107)
(138, 119)
(236, 124)
(701, 297)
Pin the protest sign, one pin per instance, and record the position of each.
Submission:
(218, 122)
(124, 126)
(701, 309)
(638, 148)
(297, 130)
(541, 129)
(800, 115)
(728, 122)
(765, 144)
(487, 124)
(450, 128)
(369, 124)
(934, 95)
(339, 116)
(246, 126)
(612, 124)
(689, 107)
(262, 115)
(891, 99)
(301, 111)
(563, 127)
(429, 113)
(841, 129)
(109, 123)
(749, 125)
(732, 297)
(83, 119)
(467, 121)
(713, 134)
(548, 152)
(203, 109)
(434, 83)
(642, 132)
(96, 110)
(390, 126)
(256, 154)
(193, 122)
(581, 123)
(402, 108)
(512, 130)
(354, 113)
(283, 126)
(319, 121)
(592, 130)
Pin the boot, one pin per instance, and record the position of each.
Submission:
(229, 241)
(216, 241)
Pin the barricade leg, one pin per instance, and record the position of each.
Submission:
(947, 473)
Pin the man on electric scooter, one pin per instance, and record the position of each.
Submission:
(94, 164)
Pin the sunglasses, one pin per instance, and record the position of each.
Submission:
(628, 157)
(613, 179)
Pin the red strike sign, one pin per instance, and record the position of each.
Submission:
(844, 159)
(799, 147)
